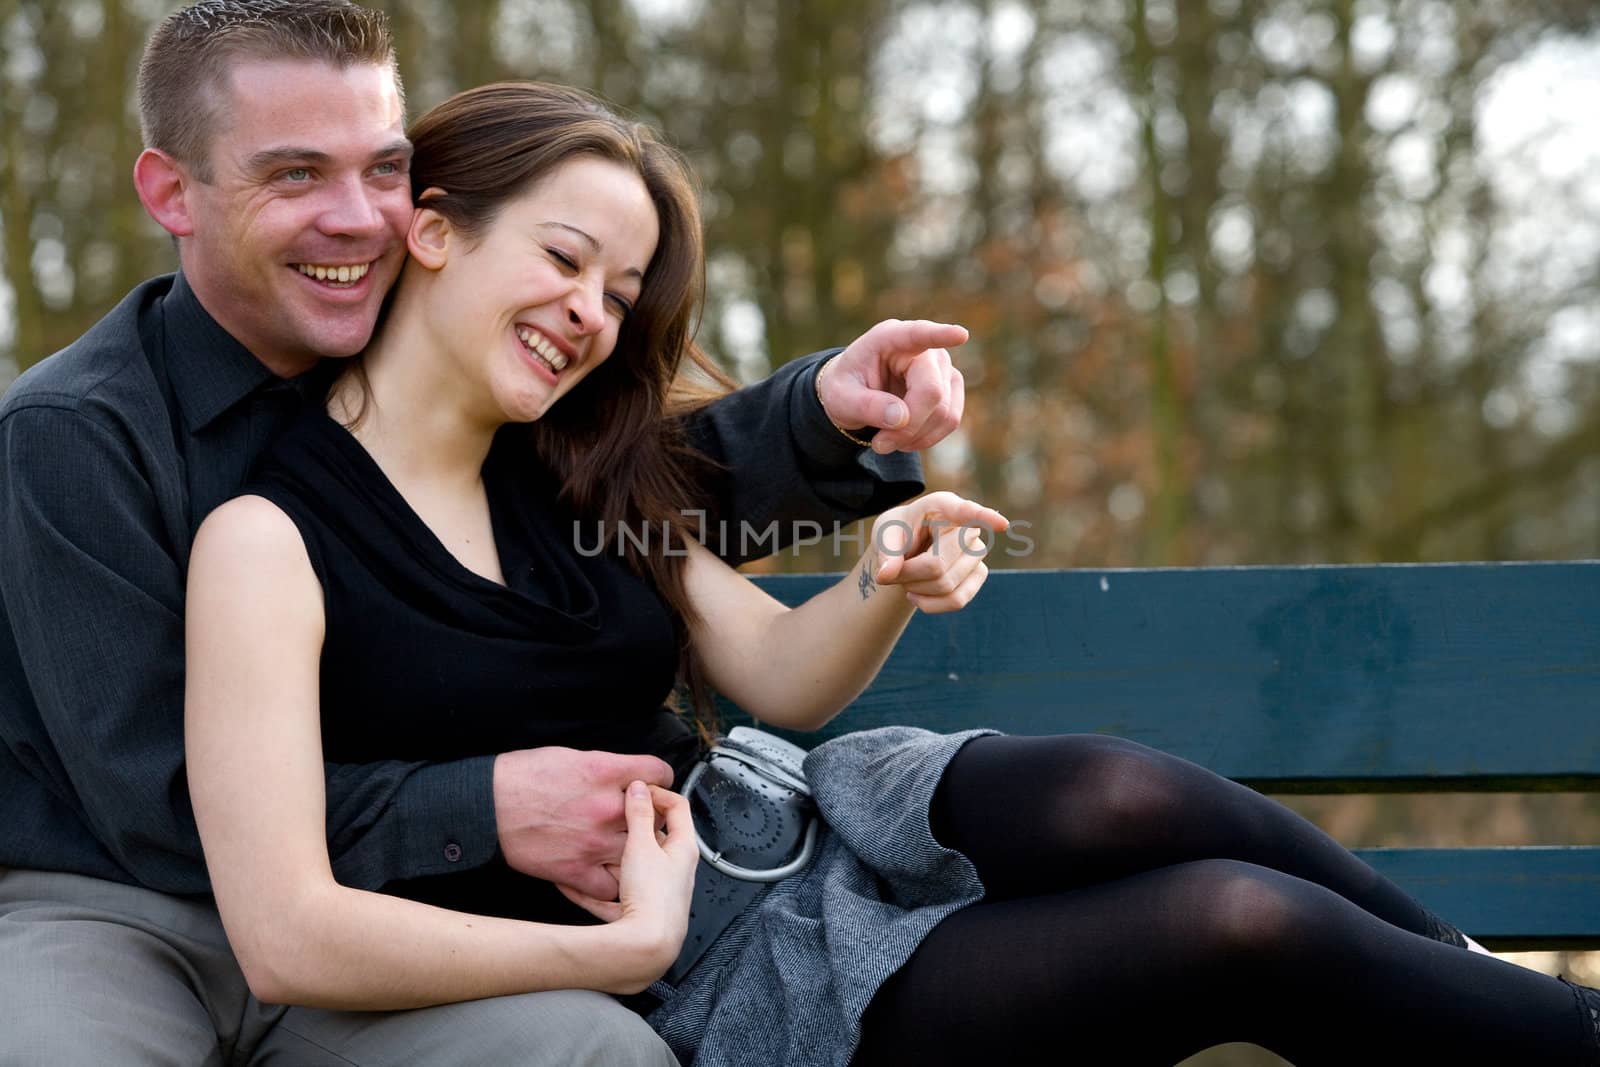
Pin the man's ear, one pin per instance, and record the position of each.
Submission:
(428, 239)
(163, 184)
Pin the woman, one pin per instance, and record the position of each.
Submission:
(402, 583)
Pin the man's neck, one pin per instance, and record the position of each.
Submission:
(281, 363)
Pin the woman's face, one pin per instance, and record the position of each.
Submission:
(535, 303)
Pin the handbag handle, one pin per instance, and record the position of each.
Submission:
(752, 874)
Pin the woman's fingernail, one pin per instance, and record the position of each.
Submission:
(895, 413)
(637, 789)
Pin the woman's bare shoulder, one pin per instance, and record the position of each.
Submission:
(250, 534)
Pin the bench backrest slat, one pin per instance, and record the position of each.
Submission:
(1310, 679)
(1315, 679)
(1512, 899)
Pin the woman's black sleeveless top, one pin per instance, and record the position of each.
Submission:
(425, 660)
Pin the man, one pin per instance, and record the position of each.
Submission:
(277, 159)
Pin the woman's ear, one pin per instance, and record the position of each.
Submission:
(428, 239)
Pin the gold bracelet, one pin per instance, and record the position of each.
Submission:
(820, 372)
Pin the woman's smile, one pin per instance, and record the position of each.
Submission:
(544, 351)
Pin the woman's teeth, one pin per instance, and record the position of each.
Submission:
(348, 274)
(535, 342)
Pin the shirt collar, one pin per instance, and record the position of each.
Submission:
(209, 369)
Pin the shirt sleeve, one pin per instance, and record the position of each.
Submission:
(784, 464)
(93, 587)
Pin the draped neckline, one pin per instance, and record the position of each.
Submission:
(542, 572)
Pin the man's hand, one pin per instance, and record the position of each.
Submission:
(560, 814)
(897, 376)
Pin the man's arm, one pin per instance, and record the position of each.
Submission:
(93, 589)
(783, 464)
(788, 461)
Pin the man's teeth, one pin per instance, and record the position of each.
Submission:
(535, 342)
(339, 275)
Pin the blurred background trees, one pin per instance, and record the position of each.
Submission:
(1250, 281)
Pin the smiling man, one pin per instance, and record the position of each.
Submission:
(291, 224)
(276, 157)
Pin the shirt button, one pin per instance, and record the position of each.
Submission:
(452, 852)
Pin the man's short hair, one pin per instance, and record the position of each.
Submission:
(184, 73)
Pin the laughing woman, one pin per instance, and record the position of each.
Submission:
(402, 582)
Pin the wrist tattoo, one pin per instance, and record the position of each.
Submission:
(865, 584)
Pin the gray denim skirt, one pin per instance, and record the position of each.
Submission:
(789, 980)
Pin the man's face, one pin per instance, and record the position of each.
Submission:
(301, 230)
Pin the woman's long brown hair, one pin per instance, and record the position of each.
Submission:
(615, 441)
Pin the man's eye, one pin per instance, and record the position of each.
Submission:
(297, 174)
(385, 170)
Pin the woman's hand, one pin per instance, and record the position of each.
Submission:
(657, 884)
(933, 548)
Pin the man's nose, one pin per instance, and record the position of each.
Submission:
(352, 210)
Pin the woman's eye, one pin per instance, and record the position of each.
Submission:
(562, 258)
(621, 304)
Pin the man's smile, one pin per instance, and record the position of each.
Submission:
(335, 274)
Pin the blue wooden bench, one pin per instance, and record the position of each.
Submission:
(1347, 679)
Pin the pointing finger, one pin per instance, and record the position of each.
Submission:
(903, 337)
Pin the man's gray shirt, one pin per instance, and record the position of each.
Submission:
(111, 453)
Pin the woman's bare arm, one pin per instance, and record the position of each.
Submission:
(798, 668)
(253, 738)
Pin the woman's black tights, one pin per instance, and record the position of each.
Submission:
(1140, 908)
